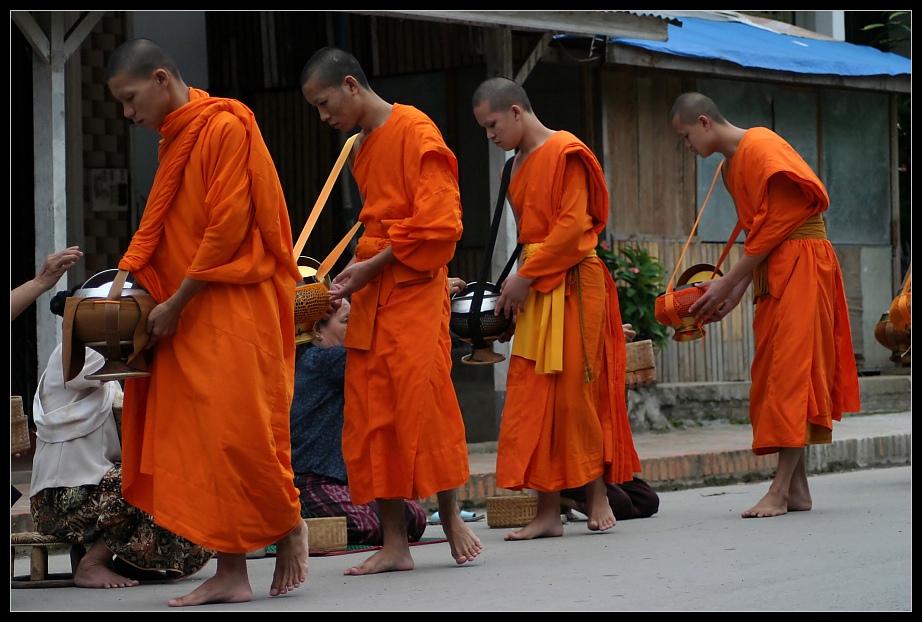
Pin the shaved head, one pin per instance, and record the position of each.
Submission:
(329, 66)
(501, 94)
(139, 58)
(689, 106)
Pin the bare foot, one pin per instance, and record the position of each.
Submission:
(799, 499)
(230, 584)
(215, 590)
(540, 527)
(602, 521)
(601, 516)
(392, 560)
(772, 504)
(292, 557)
(96, 573)
(464, 543)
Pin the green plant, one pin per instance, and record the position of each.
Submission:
(896, 30)
(640, 279)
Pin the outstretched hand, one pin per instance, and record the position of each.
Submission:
(56, 264)
(353, 278)
(456, 285)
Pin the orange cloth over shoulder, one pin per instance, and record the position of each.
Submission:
(206, 441)
(804, 374)
(558, 431)
(404, 435)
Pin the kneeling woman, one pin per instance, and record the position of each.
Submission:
(316, 438)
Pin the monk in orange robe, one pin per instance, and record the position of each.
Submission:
(403, 435)
(804, 374)
(565, 421)
(206, 442)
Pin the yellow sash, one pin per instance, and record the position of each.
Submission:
(813, 228)
(539, 326)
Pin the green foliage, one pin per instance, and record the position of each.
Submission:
(897, 30)
(640, 279)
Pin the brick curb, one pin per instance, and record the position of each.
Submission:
(727, 467)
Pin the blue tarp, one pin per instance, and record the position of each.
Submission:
(752, 46)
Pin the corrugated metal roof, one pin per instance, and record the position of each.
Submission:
(742, 18)
(633, 24)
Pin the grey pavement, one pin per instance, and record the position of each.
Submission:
(705, 454)
(851, 552)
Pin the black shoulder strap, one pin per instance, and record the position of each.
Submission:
(473, 319)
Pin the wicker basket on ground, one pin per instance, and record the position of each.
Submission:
(326, 535)
(511, 511)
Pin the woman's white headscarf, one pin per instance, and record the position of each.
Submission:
(77, 436)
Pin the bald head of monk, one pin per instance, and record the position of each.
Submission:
(500, 94)
(503, 109)
(330, 66)
(146, 81)
(333, 82)
(704, 130)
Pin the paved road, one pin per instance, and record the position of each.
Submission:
(852, 552)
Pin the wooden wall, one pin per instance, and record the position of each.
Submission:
(653, 206)
(725, 353)
(652, 182)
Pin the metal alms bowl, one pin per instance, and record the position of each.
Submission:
(462, 301)
(98, 286)
(490, 325)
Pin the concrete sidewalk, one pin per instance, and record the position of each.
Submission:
(703, 453)
(707, 455)
(852, 552)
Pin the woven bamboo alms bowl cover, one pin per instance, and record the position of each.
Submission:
(312, 298)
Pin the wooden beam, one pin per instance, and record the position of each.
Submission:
(80, 31)
(50, 165)
(33, 34)
(533, 58)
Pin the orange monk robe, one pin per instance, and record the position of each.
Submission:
(206, 441)
(404, 435)
(804, 374)
(558, 431)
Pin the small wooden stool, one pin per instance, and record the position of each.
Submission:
(38, 574)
